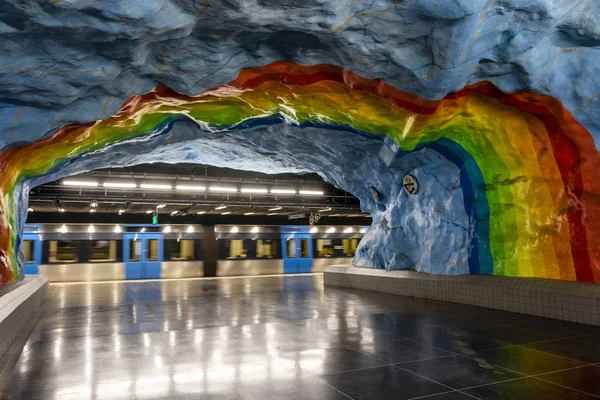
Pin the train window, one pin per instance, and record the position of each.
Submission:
(291, 248)
(180, 250)
(152, 250)
(235, 249)
(63, 251)
(266, 248)
(324, 248)
(103, 250)
(28, 251)
(304, 253)
(350, 246)
(135, 250)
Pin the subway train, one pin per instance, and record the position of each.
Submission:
(102, 252)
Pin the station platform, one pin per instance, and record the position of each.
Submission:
(291, 337)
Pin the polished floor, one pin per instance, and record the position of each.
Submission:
(291, 338)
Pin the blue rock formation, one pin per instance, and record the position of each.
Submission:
(66, 61)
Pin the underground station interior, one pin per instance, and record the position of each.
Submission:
(258, 199)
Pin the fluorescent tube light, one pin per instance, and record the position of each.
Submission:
(122, 185)
(311, 192)
(191, 188)
(80, 183)
(283, 191)
(254, 190)
(220, 207)
(156, 186)
(222, 189)
(275, 208)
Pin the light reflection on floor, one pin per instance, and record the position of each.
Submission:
(283, 337)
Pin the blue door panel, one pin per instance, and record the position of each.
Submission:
(304, 265)
(297, 264)
(33, 268)
(144, 268)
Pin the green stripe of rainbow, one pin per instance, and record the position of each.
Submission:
(536, 162)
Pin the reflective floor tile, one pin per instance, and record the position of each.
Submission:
(562, 328)
(292, 389)
(385, 382)
(570, 348)
(584, 379)
(459, 372)
(464, 343)
(526, 388)
(402, 350)
(526, 361)
(514, 335)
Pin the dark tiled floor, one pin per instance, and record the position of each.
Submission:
(291, 338)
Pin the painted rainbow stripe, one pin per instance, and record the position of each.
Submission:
(528, 167)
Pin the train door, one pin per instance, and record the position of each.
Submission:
(297, 253)
(142, 253)
(32, 250)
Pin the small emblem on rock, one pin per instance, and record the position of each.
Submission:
(410, 184)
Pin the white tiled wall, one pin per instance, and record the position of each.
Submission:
(18, 305)
(569, 301)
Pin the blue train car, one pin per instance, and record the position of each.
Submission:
(104, 252)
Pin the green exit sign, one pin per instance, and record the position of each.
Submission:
(154, 219)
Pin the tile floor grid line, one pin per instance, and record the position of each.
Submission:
(396, 366)
(535, 376)
(555, 355)
(424, 377)
(337, 390)
(432, 396)
(566, 387)
(214, 307)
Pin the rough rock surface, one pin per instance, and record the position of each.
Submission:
(78, 60)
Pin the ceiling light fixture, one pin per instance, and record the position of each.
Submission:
(254, 230)
(272, 214)
(91, 229)
(283, 191)
(201, 212)
(94, 203)
(348, 230)
(311, 192)
(331, 230)
(80, 183)
(221, 207)
(167, 229)
(30, 209)
(254, 190)
(234, 229)
(314, 229)
(121, 211)
(249, 213)
(149, 211)
(191, 188)
(161, 205)
(174, 212)
(119, 185)
(190, 229)
(222, 189)
(63, 229)
(325, 209)
(226, 212)
(275, 208)
(61, 210)
(117, 229)
(156, 186)
(92, 210)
